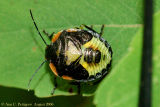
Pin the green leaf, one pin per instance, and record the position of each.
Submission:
(156, 62)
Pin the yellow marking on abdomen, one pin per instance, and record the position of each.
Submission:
(94, 68)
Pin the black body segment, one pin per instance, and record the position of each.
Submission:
(91, 55)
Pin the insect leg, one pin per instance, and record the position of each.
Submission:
(80, 27)
(89, 28)
(78, 84)
(55, 85)
(102, 29)
(48, 35)
(79, 88)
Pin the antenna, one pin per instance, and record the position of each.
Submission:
(37, 27)
(35, 73)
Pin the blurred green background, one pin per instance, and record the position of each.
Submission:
(22, 51)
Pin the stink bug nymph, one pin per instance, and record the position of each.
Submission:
(77, 54)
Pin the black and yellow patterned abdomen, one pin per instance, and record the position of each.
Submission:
(105, 58)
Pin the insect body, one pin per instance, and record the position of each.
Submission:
(77, 54)
(80, 55)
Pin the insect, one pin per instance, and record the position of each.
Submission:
(77, 54)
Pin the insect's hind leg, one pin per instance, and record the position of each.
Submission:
(48, 35)
(78, 84)
(102, 29)
(79, 88)
(55, 86)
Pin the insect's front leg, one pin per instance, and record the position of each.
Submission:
(48, 35)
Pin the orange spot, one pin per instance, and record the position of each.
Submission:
(93, 47)
(53, 68)
(56, 36)
(67, 77)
